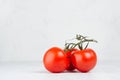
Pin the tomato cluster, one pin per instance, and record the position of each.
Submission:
(72, 57)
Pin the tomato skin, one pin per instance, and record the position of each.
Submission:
(69, 55)
(55, 60)
(84, 60)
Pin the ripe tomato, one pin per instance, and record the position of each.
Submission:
(69, 55)
(55, 60)
(84, 60)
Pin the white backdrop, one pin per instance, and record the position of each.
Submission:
(29, 27)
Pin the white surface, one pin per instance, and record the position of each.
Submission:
(108, 70)
(29, 27)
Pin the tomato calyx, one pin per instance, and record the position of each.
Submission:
(80, 41)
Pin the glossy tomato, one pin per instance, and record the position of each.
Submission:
(84, 60)
(55, 60)
(69, 55)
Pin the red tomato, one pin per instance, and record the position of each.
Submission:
(55, 60)
(84, 60)
(69, 55)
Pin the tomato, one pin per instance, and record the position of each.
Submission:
(55, 60)
(84, 60)
(69, 55)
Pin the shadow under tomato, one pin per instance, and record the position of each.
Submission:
(47, 72)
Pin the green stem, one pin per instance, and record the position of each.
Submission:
(81, 39)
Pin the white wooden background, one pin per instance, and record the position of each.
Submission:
(29, 27)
